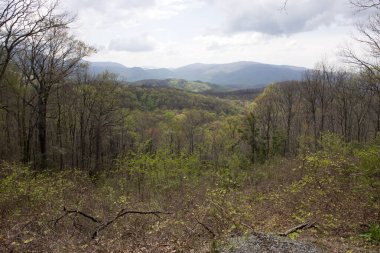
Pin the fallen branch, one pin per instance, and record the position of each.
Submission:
(121, 214)
(206, 227)
(83, 214)
(103, 226)
(303, 226)
(253, 231)
(67, 212)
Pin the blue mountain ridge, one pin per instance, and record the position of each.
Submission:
(242, 74)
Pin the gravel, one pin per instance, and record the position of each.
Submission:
(269, 244)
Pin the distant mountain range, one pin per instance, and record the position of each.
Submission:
(233, 75)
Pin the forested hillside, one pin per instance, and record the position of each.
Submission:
(193, 86)
(91, 164)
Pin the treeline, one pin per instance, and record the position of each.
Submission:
(244, 95)
(90, 123)
(291, 116)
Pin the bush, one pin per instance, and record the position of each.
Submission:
(373, 234)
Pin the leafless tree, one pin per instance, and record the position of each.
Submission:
(46, 59)
(369, 38)
(22, 19)
(284, 5)
(366, 4)
(288, 103)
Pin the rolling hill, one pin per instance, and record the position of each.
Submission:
(237, 75)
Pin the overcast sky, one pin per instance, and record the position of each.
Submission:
(172, 33)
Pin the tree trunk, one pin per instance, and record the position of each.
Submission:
(59, 132)
(98, 142)
(41, 128)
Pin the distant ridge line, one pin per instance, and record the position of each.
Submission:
(242, 74)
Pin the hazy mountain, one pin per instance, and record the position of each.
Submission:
(237, 74)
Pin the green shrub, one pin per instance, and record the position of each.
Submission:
(22, 188)
(373, 234)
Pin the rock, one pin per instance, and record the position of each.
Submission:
(262, 243)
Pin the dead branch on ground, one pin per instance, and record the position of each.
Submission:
(303, 226)
(104, 225)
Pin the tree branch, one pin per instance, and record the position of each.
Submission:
(303, 226)
(206, 227)
(366, 4)
(103, 226)
(123, 213)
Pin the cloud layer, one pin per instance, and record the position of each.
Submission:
(140, 43)
(177, 32)
(266, 16)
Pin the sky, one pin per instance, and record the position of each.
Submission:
(173, 33)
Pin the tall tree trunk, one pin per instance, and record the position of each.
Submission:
(82, 141)
(98, 142)
(288, 128)
(59, 132)
(315, 131)
(41, 128)
(4, 65)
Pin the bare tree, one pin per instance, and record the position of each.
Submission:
(366, 4)
(284, 5)
(309, 91)
(369, 38)
(288, 99)
(46, 60)
(22, 19)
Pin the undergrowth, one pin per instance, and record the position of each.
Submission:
(336, 187)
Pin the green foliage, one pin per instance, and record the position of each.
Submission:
(234, 172)
(373, 234)
(334, 155)
(189, 85)
(22, 187)
(294, 235)
(228, 179)
(370, 164)
(326, 176)
(215, 248)
(181, 84)
(334, 144)
(162, 170)
(278, 143)
(167, 98)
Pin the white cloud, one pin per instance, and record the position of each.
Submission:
(223, 41)
(102, 5)
(266, 16)
(140, 43)
(170, 33)
(125, 11)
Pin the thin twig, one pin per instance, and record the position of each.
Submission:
(206, 227)
(81, 213)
